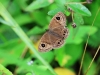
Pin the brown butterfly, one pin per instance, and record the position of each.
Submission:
(55, 35)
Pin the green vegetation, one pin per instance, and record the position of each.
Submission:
(23, 22)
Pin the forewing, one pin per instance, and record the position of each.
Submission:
(58, 20)
(45, 43)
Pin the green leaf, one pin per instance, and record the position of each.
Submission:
(94, 38)
(15, 57)
(8, 44)
(81, 32)
(35, 69)
(48, 56)
(37, 4)
(5, 2)
(61, 56)
(54, 11)
(74, 51)
(22, 3)
(60, 2)
(23, 19)
(79, 8)
(4, 22)
(40, 18)
(66, 55)
(29, 74)
(35, 30)
(14, 5)
(78, 19)
(4, 71)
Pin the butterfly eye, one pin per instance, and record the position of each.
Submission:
(58, 18)
(63, 34)
(43, 45)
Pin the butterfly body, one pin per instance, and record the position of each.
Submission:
(55, 35)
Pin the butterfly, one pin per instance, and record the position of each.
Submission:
(55, 36)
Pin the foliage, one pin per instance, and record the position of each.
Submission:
(23, 22)
(3, 70)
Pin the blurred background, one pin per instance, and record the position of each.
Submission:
(21, 20)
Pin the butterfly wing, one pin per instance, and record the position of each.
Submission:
(61, 31)
(45, 43)
(56, 40)
(57, 36)
(49, 41)
(57, 21)
(54, 37)
(58, 24)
